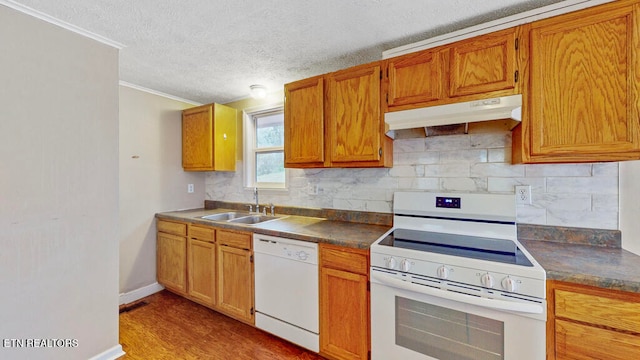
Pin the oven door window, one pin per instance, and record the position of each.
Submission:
(444, 333)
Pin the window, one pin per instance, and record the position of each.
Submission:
(264, 148)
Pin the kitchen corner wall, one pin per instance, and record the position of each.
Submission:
(575, 195)
(151, 180)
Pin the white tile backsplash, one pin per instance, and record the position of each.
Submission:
(580, 195)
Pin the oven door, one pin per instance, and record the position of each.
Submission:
(409, 324)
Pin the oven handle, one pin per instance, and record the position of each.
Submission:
(467, 299)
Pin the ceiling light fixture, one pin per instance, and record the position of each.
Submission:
(258, 91)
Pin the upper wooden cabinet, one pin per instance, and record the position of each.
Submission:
(335, 120)
(354, 119)
(479, 67)
(416, 78)
(209, 138)
(484, 64)
(584, 87)
(304, 123)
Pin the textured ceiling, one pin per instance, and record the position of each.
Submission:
(212, 50)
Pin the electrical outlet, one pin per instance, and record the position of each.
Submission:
(523, 194)
(190, 188)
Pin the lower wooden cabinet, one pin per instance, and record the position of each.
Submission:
(344, 303)
(201, 265)
(213, 267)
(592, 323)
(171, 256)
(235, 275)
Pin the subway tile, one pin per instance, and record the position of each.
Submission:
(582, 185)
(448, 142)
(497, 170)
(414, 158)
(490, 140)
(470, 156)
(409, 145)
(464, 184)
(528, 214)
(606, 169)
(562, 202)
(407, 171)
(507, 184)
(499, 155)
(605, 202)
(586, 219)
(447, 170)
(556, 170)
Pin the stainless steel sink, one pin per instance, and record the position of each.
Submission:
(255, 219)
(226, 216)
(241, 217)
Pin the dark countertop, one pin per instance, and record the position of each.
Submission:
(604, 267)
(313, 229)
(582, 256)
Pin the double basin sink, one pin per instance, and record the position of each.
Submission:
(241, 217)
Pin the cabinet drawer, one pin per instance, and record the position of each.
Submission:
(599, 310)
(234, 239)
(171, 227)
(203, 233)
(578, 341)
(348, 259)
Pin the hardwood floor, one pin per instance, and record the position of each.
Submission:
(171, 327)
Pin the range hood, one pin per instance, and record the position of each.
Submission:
(506, 107)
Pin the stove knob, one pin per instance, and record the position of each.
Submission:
(405, 265)
(509, 284)
(487, 280)
(443, 272)
(391, 262)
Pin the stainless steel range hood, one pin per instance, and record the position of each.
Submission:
(506, 107)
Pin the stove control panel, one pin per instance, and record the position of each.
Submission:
(487, 280)
(494, 280)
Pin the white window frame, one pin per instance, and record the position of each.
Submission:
(249, 132)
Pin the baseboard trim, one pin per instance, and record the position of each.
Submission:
(131, 296)
(111, 354)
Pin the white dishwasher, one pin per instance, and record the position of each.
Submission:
(286, 289)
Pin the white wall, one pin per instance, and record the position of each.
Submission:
(58, 189)
(630, 205)
(578, 195)
(151, 180)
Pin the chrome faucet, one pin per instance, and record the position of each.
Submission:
(255, 196)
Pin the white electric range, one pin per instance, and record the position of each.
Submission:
(450, 281)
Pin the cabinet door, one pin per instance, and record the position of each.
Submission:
(585, 81)
(344, 314)
(415, 79)
(171, 257)
(580, 341)
(304, 123)
(483, 64)
(235, 282)
(224, 138)
(354, 118)
(197, 138)
(202, 271)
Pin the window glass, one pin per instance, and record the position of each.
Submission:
(269, 130)
(270, 167)
(264, 149)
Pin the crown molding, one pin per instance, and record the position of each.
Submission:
(159, 93)
(63, 24)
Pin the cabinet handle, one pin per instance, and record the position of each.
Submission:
(380, 151)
